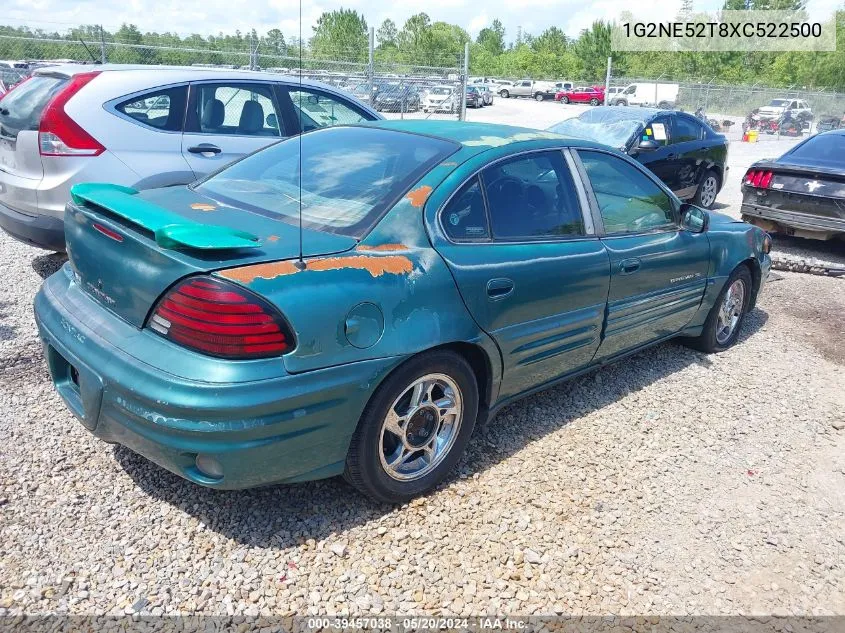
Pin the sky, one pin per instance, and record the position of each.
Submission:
(212, 16)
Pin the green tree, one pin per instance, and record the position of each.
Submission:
(387, 34)
(340, 34)
(492, 38)
(552, 41)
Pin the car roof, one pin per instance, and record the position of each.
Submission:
(476, 138)
(171, 74)
(624, 113)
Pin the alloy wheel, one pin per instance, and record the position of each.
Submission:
(420, 427)
(730, 312)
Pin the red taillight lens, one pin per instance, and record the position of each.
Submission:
(758, 178)
(749, 176)
(221, 319)
(58, 134)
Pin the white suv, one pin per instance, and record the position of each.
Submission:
(143, 127)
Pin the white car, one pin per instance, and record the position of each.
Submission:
(440, 99)
(797, 107)
(142, 127)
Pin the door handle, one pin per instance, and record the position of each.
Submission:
(204, 148)
(499, 288)
(629, 266)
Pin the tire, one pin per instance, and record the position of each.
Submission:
(711, 339)
(366, 462)
(564, 99)
(594, 101)
(504, 94)
(708, 189)
(539, 96)
(621, 102)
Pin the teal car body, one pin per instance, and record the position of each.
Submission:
(524, 313)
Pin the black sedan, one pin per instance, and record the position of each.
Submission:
(802, 193)
(684, 152)
(396, 98)
(474, 98)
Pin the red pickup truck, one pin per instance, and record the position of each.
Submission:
(594, 95)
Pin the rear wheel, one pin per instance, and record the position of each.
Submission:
(539, 96)
(708, 188)
(723, 324)
(594, 101)
(414, 429)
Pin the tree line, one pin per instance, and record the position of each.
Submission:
(343, 35)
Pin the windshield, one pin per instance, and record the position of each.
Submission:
(778, 103)
(350, 176)
(441, 91)
(824, 150)
(615, 133)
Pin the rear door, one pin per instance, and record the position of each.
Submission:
(20, 160)
(690, 154)
(658, 271)
(228, 119)
(529, 266)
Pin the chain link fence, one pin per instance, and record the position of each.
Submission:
(398, 89)
(730, 107)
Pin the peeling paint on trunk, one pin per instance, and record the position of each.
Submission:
(375, 265)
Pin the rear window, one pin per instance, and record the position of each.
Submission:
(21, 109)
(161, 109)
(826, 150)
(349, 177)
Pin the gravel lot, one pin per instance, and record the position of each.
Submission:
(674, 483)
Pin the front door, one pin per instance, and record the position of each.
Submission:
(692, 154)
(529, 267)
(663, 161)
(658, 270)
(227, 120)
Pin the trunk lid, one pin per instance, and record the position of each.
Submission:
(127, 248)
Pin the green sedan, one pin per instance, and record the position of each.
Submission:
(354, 301)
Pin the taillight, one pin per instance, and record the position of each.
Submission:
(58, 134)
(220, 319)
(759, 178)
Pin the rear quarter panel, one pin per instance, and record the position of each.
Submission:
(395, 269)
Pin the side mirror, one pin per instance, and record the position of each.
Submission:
(694, 219)
(648, 146)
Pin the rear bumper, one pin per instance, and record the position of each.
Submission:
(279, 429)
(793, 219)
(43, 231)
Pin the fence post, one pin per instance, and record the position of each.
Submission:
(464, 77)
(102, 45)
(370, 66)
(607, 80)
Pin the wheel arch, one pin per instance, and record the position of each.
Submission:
(756, 278)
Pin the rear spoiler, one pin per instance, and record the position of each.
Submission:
(171, 230)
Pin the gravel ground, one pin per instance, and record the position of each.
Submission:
(674, 483)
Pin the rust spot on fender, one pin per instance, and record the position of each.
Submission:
(203, 206)
(381, 247)
(419, 196)
(273, 238)
(376, 265)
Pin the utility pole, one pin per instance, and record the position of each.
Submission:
(464, 79)
(607, 79)
(102, 45)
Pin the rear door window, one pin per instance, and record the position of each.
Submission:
(161, 109)
(465, 217)
(686, 130)
(533, 198)
(315, 109)
(240, 109)
(21, 109)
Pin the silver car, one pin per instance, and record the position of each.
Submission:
(143, 127)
